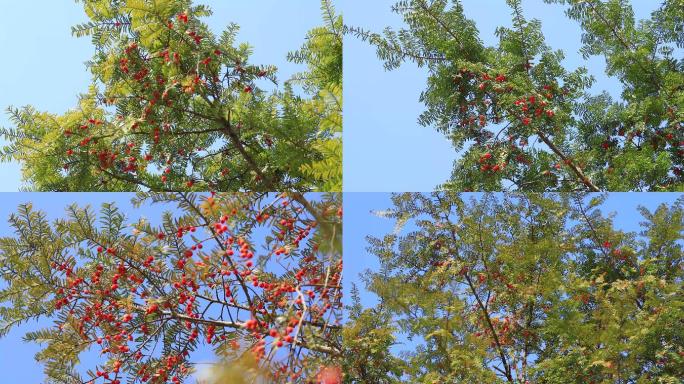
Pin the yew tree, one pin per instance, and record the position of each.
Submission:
(173, 106)
(521, 120)
(255, 278)
(521, 289)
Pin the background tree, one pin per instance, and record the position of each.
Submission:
(524, 122)
(367, 357)
(525, 289)
(255, 277)
(174, 107)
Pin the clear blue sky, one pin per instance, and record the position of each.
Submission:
(43, 64)
(384, 148)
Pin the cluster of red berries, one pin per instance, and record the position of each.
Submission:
(157, 96)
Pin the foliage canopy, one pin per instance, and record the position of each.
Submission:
(521, 289)
(522, 121)
(172, 106)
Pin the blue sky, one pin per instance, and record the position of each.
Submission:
(384, 147)
(45, 68)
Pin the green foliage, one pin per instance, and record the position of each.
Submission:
(523, 289)
(322, 53)
(526, 123)
(366, 346)
(172, 106)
